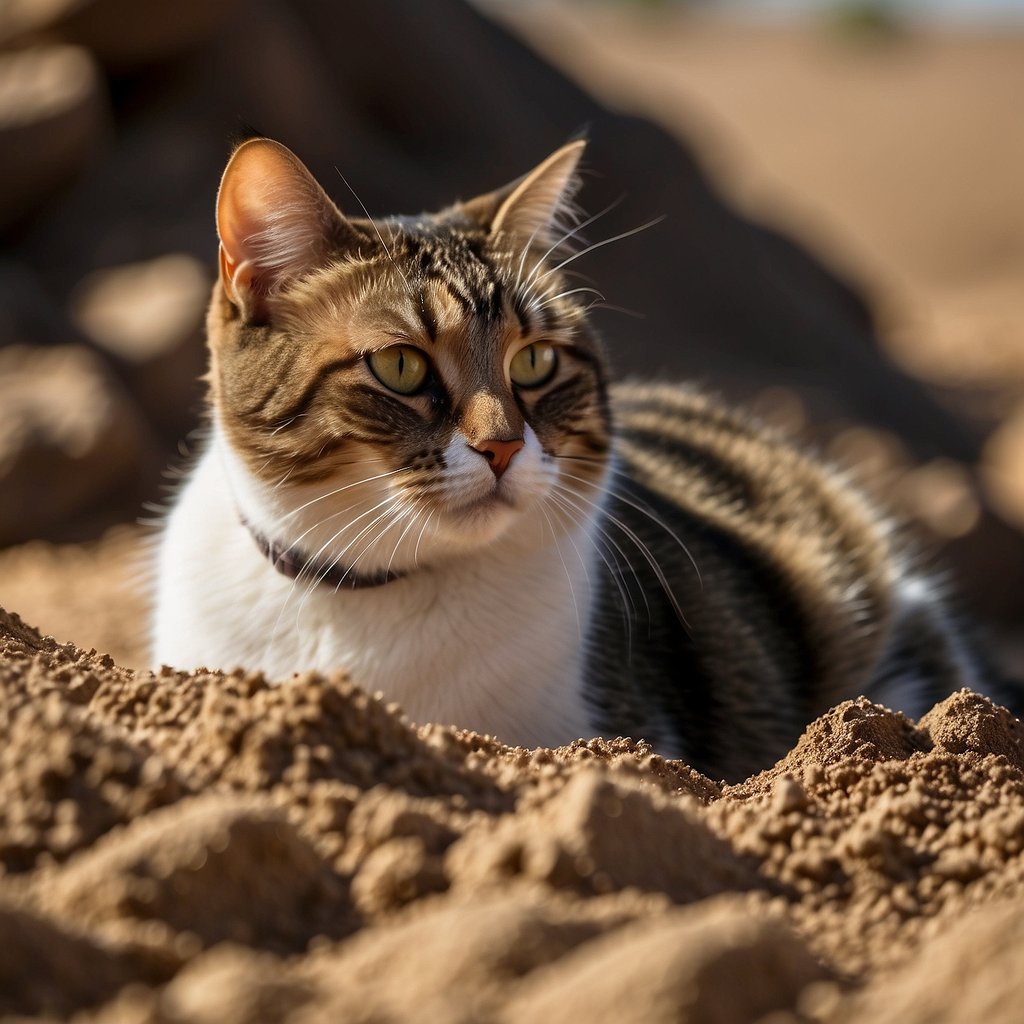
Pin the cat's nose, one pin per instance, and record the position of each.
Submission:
(498, 453)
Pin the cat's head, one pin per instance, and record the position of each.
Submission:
(402, 390)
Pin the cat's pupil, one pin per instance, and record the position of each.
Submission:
(401, 363)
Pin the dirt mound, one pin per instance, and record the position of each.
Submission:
(208, 847)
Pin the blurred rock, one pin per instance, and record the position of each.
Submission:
(110, 573)
(68, 437)
(53, 119)
(149, 317)
(28, 313)
(20, 19)
(725, 301)
(124, 34)
(1003, 468)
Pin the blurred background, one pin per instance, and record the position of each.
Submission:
(842, 244)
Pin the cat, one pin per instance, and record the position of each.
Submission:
(418, 472)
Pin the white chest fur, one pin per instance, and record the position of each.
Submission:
(491, 642)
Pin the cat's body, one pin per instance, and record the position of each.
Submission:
(447, 643)
(535, 556)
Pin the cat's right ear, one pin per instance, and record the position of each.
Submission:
(534, 206)
(275, 223)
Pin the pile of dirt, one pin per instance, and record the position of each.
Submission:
(209, 847)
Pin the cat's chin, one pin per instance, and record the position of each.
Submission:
(479, 521)
(475, 524)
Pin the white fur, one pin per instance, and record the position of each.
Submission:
(485, 632)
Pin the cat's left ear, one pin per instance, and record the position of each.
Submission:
(532, 207)
(275, 224)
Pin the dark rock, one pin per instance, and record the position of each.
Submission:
(148, 317)
(53, 121)
(69, 436)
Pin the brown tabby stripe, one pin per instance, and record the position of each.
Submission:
(522, 315)
(427, 317)
(456, 261)
(694, 462)
(302, 402)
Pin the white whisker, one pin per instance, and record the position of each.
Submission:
(413, 512)
(565, 568)
(619, 496)
(338, 490)
(397, 513)
(624, 591)
(572, 291)
(641, 547)
(312, 559)
(565, 238)
(625, 598)
(416, 550)
(598, 245)
(373, 224)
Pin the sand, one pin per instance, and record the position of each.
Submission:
(210, 847)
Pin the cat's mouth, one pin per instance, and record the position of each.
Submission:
(486, 504)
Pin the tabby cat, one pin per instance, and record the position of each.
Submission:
(417, 471)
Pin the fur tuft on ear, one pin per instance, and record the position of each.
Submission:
(274, 221)
(536, 206)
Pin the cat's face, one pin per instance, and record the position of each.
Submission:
(404, 392)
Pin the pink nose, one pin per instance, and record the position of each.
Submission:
(498, 453)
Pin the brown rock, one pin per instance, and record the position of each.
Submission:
(53, 121)
(66, 781)
(149, 317)
(452, 961)
(412, 875)
(968, 722)
(125, 35)
(233, 985)
(68, 434)
(855, 728)
(108, 574)
(205, 867)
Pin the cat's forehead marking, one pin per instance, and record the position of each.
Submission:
(456, 261)
(426, 315)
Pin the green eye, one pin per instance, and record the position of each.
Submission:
(533, 365)
(400, 368)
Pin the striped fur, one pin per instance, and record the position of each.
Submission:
(685, 575)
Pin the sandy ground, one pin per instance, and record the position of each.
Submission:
(210, 848)
(206, 847)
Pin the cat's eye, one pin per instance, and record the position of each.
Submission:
(400, 368)
(533, 365)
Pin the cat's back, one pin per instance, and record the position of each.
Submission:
(721, 476)
(747, 586)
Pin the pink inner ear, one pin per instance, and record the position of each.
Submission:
(236, 279)
(272, 218)
(532, 208)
